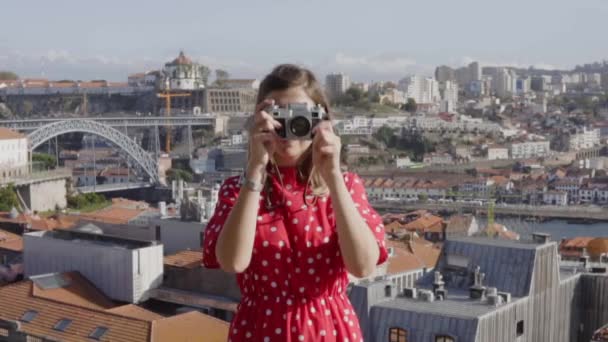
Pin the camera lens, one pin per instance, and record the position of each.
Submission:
(299, 126)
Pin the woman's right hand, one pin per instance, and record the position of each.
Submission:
(262, 139)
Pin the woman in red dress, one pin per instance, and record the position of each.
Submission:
(293, 227)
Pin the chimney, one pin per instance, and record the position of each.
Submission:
(541, 238)
(162, 206)
(492, 296)
(506, 297)
(477, 291)
(438, 283)
(426, 295)
(410, 292)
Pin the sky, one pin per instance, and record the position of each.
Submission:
(369, 40)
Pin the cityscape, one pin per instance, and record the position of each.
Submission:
(490, 182)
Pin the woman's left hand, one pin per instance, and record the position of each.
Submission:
(326, 147)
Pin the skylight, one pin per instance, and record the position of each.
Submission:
(98, 332)
(29, 316)
(62, 324)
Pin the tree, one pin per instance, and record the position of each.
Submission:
(46, 160)
(8, 76)
(221, 76)
(411, 105)
(8, 198)
(355, 93)
(204, 72)
(179, 174)
(384, 134)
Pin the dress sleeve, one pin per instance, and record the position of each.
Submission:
(226, 198)
(374, 220)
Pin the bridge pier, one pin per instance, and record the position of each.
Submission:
(44, 195)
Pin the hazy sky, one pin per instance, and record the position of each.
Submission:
(371, 39)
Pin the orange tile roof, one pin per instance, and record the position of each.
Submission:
(190, 326)
(113, 215)
(17, 299)
(426, 223)
(6, 134)
(412, 255)
(127, 323)
(79, 292)
(134, 311)
(499, 230)
(11, 241)
(576, 242)
(184, 259)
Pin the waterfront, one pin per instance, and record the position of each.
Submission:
(557, 228)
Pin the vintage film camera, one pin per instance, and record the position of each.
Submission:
(297, 119)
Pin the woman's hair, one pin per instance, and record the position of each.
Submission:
(285, 76)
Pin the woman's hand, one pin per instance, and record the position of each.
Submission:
(326, 152)
(262, 139)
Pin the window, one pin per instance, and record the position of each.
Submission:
(520, 328)
(29, 316)
(397, 335)
(62, 324)
(98, 333)
(443, 338)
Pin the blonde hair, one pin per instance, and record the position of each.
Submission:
(283, 77)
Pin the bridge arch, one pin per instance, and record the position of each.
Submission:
(141, 157)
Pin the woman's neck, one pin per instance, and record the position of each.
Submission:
(291, 162)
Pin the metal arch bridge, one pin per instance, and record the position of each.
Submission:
(141, 157)
(118, 120)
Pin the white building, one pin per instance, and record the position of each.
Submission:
(498, 152)
(593, 193)
(530, 149)
(336, 84)
(448, 91)
(123, 269)
(13, 154)
(587, 138)
(238, 83)
(555, 198)
(422, 90)
(183, 74)
(504, 83)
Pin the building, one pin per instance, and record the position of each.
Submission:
(184, 74)
(14, 154)
(498, 152)
(422, 90)
(67, 307)
(336, 85)
(530, 149)
(187, 283)
(461, 225)
(504, 82)
(587, 138)
(393, 96)
(488, 290)
(241, 83)
(230, 100)
(123, 269)
(435, 158)
(574, 248)
(555, 198)
(448, 92)
(593, 193)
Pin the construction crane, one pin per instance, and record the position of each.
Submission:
(167, 95)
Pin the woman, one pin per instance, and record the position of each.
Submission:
(293, 226)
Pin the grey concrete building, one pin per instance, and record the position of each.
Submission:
(489, 290)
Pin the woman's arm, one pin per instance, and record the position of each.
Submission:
(358, 245)
(235, 241)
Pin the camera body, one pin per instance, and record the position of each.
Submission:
(297, 120)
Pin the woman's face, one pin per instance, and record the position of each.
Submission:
(288, 152)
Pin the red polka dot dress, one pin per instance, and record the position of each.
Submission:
(295, 286)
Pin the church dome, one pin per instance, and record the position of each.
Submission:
(181, 60)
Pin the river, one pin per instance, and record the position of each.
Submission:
(557, 228)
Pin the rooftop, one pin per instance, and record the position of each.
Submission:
(184, 259)
(83, 313)
(92, 239)
(6, 134)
